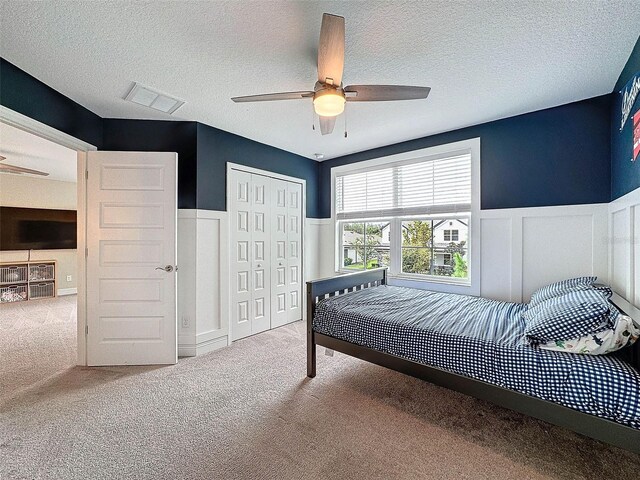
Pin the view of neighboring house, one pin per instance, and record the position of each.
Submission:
(446, 237)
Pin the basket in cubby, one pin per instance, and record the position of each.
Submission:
(13, 293)
(12, 274)
(41, 272)
(41, 290)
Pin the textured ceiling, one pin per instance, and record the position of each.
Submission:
(483, 59)
(26, 150)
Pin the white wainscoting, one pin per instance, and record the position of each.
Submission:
(203, 323)
(523, 249)
(624, 250)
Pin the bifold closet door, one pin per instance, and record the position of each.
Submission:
(250, 269)
(279, 246)
(286, 221)
(261, 253)
(294, 260)
(241, 261)
(266, 263)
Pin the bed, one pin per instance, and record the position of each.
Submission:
(475, 346)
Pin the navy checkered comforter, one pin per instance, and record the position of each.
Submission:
(483, 339)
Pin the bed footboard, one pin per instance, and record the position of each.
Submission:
(330, 287)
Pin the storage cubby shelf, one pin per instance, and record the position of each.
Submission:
(22, 281)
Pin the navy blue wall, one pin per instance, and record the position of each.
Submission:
(25, 94)
(159, 136)
(625, 175)
(202, 150)
(557, 156)
(217, 147)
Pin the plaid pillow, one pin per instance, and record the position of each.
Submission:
(560, 288)
(568, 316)
(604, 289)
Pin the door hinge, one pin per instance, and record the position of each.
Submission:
(86, 329)
(86, 174)
(86, 251)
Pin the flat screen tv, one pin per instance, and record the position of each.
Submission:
(37, 229)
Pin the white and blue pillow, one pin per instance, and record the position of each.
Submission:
(624, 332)
(560, 288)
(568, 316)
(604, 289)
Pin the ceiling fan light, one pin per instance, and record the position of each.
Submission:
(328, 103)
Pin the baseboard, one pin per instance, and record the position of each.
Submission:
(67, 291)
(186, 350)
(211, 345)
(200, 348)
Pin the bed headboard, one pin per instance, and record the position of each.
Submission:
(349, 282)
(632, 354)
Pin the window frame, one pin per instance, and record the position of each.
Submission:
(470, 285)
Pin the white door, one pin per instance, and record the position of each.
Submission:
(261, 253)
(131, 258)
(294, 260)
(279, 249)
(241, 265)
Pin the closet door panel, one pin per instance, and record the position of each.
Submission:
(279, 244)
(260, 253)
(294, 260)
(241, 267)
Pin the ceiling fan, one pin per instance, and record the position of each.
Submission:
(329, 96)
(6, 168)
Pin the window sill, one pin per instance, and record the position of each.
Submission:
(429, 279)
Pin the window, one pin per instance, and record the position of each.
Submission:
(451, 235)
(411, 216)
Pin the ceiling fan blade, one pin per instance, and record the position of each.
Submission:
(384, 93)
(327, 124)
(331, 50)
(273, 96)
(13, 169)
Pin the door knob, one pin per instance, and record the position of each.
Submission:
(168, 268)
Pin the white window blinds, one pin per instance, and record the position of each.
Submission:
(436, 186)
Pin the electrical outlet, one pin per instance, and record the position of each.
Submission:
(68, 278)
(186, 321)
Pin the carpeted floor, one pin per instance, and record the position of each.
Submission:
(249, 412)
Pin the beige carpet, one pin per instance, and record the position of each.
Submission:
(249, 412)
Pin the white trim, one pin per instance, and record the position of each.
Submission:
(227, 238)
(67, 291)
(82, 259)
(264, 173)
(627, 282)
(471, 146)
(18, 120)
(42, 130)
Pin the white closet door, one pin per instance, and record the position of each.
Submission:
(294, 260)
(261, 253)
(241, 261)
(279, 250)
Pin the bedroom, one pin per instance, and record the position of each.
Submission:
(531, 112)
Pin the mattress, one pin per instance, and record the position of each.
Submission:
(481, 339)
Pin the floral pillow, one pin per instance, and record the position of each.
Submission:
(625, 332)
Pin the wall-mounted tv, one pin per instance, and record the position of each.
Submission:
(37, 229)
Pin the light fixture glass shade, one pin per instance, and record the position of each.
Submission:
(328, 103)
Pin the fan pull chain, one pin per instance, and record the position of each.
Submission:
(345, 123)
(313, 120)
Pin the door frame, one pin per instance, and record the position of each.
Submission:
(28, 124)
(279, 176)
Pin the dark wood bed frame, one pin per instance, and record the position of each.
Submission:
(583, 423)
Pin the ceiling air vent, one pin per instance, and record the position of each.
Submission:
(149, 97)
